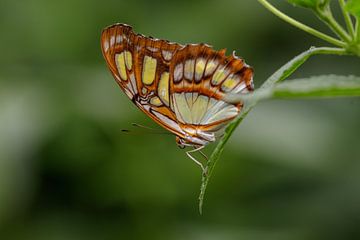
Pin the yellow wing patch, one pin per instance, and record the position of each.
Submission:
(128, 59)
(120, 62)
(219, 76)
(229, 84)
(163, 88)
(149, 69)
(155, 101)
(210, 67)
(199, 68)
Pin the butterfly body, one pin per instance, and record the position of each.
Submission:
(182, 88)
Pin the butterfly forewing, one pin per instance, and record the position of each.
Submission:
(140, 66)
(180, 87)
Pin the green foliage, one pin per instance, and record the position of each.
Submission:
(313, 4)
(349, 40)
(290, 170)
(270, 89)
(291, 66)
(317, 86)
(353, 6)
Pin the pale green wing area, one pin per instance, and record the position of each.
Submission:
(192, 108)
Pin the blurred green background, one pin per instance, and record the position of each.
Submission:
(291, 170)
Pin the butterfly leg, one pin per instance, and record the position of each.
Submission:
(188, 153)
(203, 154)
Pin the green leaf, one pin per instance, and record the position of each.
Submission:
(291, 66)
(313, 4)
(313, 87)
(282, 73)
(353, 6)
(318, 86)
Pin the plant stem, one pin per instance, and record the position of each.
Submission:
(302, 26)
(285, 71)
(218, 151)
(357, 33)
(326, 16)
(347, 18)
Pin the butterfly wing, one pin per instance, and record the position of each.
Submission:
(180, 87)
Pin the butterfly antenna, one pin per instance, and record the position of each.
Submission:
(149, 130)
(142, 126)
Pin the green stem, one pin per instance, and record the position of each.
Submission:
(347, 17)
(302, 26)
(326, 16)
(285, 71)
(279, 75)
(215, 156)
(358, 31)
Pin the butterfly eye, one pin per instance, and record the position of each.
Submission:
(180, 142)
(181, 146)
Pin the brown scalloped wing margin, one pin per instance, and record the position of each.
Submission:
(232, 65)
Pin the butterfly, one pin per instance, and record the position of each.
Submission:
(181, 87)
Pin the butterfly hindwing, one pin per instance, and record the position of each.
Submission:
(201, 78)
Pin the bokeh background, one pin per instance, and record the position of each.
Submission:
(291, 170)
